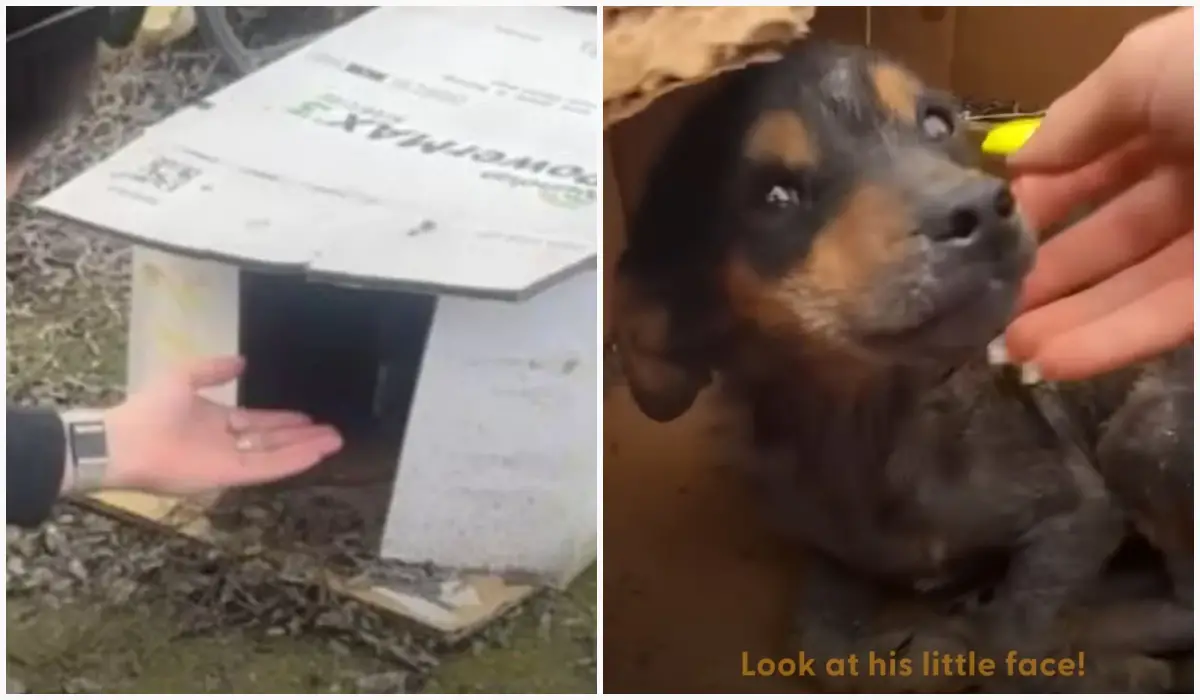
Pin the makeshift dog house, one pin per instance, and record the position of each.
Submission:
(396, 225)
(693, 580)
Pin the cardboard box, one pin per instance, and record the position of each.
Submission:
(692, 577)
(396, 224)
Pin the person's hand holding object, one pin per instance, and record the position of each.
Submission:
(1116, 287)
(167, 439)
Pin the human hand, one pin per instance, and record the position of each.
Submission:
(1117, 286)
(167, 439)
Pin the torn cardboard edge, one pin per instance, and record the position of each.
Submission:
(464, 603)
(651, 51)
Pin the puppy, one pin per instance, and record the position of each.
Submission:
(817, 242)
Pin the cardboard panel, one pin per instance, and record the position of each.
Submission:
(841, 23)
(394, 150)
(1032, 55)
(920, 37)
(181, 309)
(692, 578)
(1028, 55)
(498, 466)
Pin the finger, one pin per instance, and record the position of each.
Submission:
(1100, 113)
(1046, 200)
(1125, 230)
(213, 371)
(287, 460)
(283, 437)
(242, 419)
(1030, 330)
(1154, 324)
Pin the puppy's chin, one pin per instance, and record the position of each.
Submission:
(944, 305)
(952, 323)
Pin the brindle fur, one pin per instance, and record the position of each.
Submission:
(897, 458)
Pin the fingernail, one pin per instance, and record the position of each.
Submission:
(997, 352)
(1030, 374)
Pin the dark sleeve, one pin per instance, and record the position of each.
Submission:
(37, 451)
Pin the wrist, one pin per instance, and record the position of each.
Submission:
(86, 457)
(96, 457)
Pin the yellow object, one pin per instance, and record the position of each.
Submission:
(1007, 138)
(163, 25)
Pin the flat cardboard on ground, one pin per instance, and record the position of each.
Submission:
(428, 175)
(692, 577)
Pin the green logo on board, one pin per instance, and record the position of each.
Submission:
(567, 198)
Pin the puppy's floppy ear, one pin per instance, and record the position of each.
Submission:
(663, 385)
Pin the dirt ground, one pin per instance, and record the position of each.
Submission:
(96, 605)
(101, 644)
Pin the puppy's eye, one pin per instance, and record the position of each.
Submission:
(937, 123)
(782, 197)
(775, 191)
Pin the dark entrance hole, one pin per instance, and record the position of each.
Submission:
(346, 356)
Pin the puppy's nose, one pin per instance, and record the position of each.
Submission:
(970, 210)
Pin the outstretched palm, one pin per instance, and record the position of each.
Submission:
(168, 439)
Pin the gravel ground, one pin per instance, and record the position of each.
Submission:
(100, 605)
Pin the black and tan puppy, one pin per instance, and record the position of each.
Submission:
(816, 241)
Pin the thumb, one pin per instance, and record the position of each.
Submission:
(213, 371)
